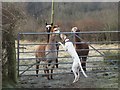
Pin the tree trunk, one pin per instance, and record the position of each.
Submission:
(11, 54)
(9, 58)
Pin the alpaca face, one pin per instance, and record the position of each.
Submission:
(56, 29)
(48, 27)
(74, 29)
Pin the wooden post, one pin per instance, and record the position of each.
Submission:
(11, 55)
(52, 12)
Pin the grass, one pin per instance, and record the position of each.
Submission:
(111, 57)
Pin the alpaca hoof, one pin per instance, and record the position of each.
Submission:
(51, 77)
(48, 78)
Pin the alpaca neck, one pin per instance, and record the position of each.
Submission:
(77, 39)
(48, 37)
(52, 38)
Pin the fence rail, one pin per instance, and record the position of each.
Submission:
(90, 32)
(77, 50)
(71, 73)
(97, 50)
(68, 62)
(74, 43)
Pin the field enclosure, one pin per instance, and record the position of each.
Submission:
(102, 61)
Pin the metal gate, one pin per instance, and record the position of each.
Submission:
(99, 58)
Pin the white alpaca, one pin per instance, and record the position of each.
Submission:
(76, 61)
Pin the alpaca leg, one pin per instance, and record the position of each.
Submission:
(48, 74)
(56, 62)
(84, 63)
(51, 73)
(52, 67)
(84, 66)
(37, 68)
(45, 71)
(57, 46)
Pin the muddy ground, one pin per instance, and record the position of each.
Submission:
(96, 78)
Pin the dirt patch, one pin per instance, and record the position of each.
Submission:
(65, 81)
(100, 74)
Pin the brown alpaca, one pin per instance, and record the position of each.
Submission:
(51, 52)
(80, 46)
(40, 50)
(40, 53)
(48, 28)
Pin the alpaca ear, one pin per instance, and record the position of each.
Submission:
(46, 23)
(51, 24)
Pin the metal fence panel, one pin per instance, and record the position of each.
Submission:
(27, 62)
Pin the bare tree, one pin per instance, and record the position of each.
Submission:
(10, 15)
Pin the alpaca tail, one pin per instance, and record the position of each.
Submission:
(82, 69)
